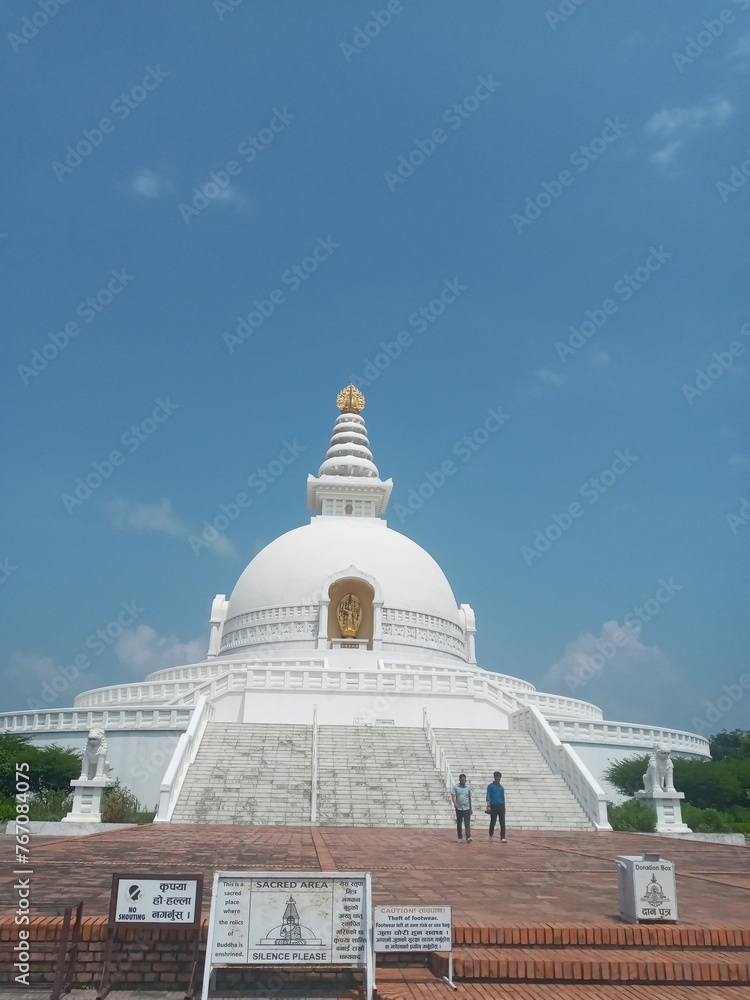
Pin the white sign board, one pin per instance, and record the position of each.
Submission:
(155, 901)
(413, 928)
(289, 918)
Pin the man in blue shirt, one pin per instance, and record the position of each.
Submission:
(496, 806)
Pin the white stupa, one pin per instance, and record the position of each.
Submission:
(343, 630)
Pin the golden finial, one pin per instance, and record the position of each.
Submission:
(350, 400)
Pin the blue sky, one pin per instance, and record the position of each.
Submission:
(568, 177)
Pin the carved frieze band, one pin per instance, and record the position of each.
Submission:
(429, 638)
(401, 617)
(272, 632)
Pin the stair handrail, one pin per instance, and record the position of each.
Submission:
(563, 760)
(183, 756)
(314, 769)
(438, 755)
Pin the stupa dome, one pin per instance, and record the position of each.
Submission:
(296, 569)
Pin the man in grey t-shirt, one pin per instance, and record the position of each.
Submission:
(461, 795)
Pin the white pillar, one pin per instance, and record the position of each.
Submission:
(322, 642)
(377, 624)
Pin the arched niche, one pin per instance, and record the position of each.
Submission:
(365, 595)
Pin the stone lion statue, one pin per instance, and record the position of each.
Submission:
(94, 763)
(658, 776)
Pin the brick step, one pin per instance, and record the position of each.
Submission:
(597, 965)
(605, 936)
(421, 984)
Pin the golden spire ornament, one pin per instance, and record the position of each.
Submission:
(350, 400)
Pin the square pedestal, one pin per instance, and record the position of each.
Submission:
(87, 801)
(668, 809)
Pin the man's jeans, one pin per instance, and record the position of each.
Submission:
(463, 816)
(498, 813)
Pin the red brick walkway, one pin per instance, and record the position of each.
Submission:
(542, 907)
(536, 878)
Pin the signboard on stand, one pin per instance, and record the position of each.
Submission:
(148, 899)
(414, 928)
(290, 918)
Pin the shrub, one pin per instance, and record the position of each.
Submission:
(146, 816)
(705, 820)
(631, 816)
(119, 805)
(50, 805)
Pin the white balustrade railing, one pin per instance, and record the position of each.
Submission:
(79, 719)
(438, 755)
(233, 680)
(628, 734)
(182, 758)
(161, 693)
(314, 769)
(563, 760)
(560, 705)
(372, 680)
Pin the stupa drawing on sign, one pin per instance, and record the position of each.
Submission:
(654, 894)
(290, 931)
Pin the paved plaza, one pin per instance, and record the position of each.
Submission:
(534, 879)
(534, 919)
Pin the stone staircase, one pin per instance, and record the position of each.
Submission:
(249, 774)
(367, 776)
(379, 776)
(536, 799)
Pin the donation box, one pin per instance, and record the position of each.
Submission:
(646, 889)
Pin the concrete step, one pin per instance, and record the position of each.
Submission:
(536, 798)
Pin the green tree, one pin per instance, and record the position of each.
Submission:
(51, 768)
(730, 745)
(627, 775)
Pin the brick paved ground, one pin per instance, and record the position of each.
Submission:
(414, 985)
(556, 888)
(535, 878)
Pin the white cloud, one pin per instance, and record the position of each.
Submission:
(232, 197)
(666, 154)
(161, 517)
(147, 516)
(600, 359)
(142, 650)
(676, 122)
(741, 49)
(548, 377)
(30, 668)
(672, 126)
(740, 463)
(149, 184)
(627, 678)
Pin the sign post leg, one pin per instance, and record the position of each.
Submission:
(106, 984)
(190, 991)
(449, 978)
(57, 988)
